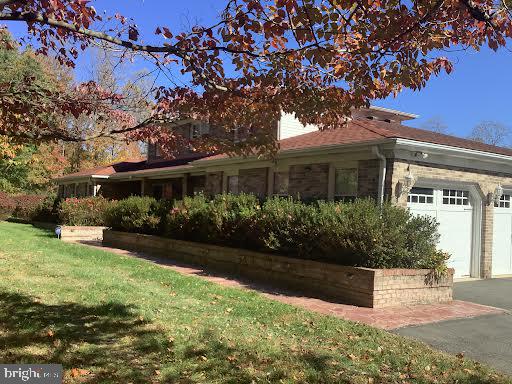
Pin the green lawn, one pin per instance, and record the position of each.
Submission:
(114, 319)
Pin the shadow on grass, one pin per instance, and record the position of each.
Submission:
(110, 337)
(118, 346)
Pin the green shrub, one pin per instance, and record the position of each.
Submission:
(87, 211)
(47, 211)
(227, 219)
(360, 233)
(136, 214)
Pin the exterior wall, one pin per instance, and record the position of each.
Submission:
(184, 131)
(195, 184)
(253, 181)
(290, 126)
(309, 181)
(358, 286)
(75, 234)
(120, 190)
(368, 178)
(485, 182)
(213, 183)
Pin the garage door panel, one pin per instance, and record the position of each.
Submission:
(455, 228)
(502, 240)
(453, 211)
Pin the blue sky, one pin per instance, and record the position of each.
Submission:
(478, 89)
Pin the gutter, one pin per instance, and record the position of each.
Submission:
(382, 172)
(295, 152)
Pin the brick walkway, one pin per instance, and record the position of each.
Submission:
(385, 318)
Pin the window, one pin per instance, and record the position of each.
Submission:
(198, 129)
(504, 202)
(233, 184)
(281, 181)
(455, 197)
(158, 151)
(345, 184)
(421, 196)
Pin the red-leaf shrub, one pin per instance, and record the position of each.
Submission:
(7, 206)
(26, 205)
(88, 211)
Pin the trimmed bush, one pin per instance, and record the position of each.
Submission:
(47, 210)
(357, 234)
(7, 206)
(227, 219)
(360, 233)
(88, 211)
(136, 214)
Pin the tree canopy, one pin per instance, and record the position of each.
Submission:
(316, 58)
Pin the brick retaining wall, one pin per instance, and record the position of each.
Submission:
(72, 233)
(374, 288)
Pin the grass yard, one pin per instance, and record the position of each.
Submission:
(114, 319)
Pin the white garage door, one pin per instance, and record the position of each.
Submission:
(453, 210)
(502, 237)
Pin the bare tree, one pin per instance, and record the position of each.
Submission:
(436, 124)
(491, 132)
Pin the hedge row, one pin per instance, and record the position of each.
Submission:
(357, 234)
(26, 207)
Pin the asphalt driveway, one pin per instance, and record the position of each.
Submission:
(486, 338)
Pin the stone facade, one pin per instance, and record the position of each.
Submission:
(253, 181)
(309, 181)
(120, 190)
(213, 184)
(358, 286)
(484, 181)
(368, 178)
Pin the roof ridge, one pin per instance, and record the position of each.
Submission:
(376, 131)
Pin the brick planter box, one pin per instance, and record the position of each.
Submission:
(76, 233)
(374, 288)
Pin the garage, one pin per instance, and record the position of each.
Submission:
(502, 237)
(453, 209)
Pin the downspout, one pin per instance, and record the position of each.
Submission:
(382, 173)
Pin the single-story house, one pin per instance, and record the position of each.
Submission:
(466, 185)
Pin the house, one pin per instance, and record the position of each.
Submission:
(465, 185)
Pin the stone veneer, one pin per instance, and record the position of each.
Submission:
(253, 181)
(308, 181)
(375, 288)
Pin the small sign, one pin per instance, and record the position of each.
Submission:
(31, 374)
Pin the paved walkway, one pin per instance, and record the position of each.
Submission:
(386, 318)
(485, 338)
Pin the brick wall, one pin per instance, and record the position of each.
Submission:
(81, 233)
(485, 182)
(121, 190)
(213, 184)
(309, 181)
(368, 178)
(253, 181)
(358, 286)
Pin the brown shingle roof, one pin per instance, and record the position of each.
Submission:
(356, 131)
(365, 130)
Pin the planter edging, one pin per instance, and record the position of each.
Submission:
(375, 288)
